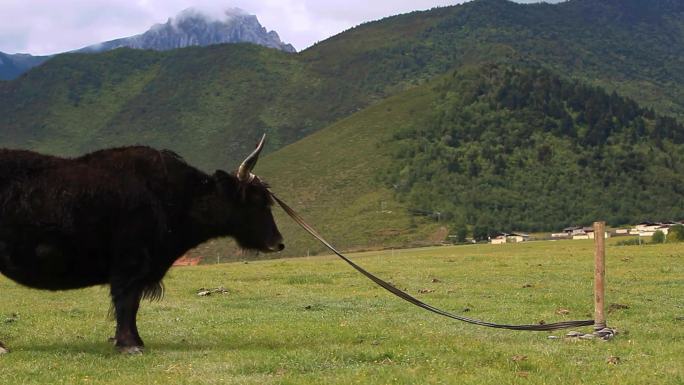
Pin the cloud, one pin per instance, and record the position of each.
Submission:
(304, 22)
(50, 27)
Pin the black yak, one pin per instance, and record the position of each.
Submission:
(121, 217)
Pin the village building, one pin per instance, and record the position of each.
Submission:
(582, 235)
(572, 231)
(509, 238)
(577, 232)
(651, 230)
(643, 229)
(498, 240)
(647, 228)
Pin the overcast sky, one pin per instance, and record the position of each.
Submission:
(42, 27)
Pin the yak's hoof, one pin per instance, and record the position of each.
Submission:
(132, 350)
(112, 340)
(3, 349)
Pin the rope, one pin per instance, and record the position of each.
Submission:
(406, 297)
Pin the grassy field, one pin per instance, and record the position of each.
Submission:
(316, 321)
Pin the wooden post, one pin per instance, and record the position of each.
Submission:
(599, 275)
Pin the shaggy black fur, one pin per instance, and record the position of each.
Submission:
(120, 217)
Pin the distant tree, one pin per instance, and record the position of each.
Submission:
(676, 234)
(658, 237)
(481, 233)
(461, 234)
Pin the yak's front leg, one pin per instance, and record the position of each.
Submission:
(126, 304)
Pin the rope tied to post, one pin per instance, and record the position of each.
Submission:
(406, 297)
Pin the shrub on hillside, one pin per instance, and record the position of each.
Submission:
(676, 234)
(480, 233)
(461, 234)
(629, 242)
(658, 237)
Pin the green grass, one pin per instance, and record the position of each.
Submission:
(315, 320)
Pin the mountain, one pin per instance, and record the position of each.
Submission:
(381, 80)
(192, 27)
(207, 103)
(11, 66)
(490, 148)
(191, 99)
(510, 148)
(634, 47)
(335, 179)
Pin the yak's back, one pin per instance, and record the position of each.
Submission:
(162, 171)
(133, 161)
(39, 188)
(20, 164)
(159, 170)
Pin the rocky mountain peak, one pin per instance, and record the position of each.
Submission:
(193, 27)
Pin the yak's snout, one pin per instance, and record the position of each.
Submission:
(275, 246)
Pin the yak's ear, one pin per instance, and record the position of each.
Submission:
(225, 181)
(220, 174)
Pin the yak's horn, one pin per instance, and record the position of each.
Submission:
(244, 173)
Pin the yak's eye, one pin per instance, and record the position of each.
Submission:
(260, 199)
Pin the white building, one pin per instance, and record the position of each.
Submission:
(509, 238)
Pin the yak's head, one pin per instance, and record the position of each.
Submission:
(250, 221)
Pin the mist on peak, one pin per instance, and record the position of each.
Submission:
(199, 27)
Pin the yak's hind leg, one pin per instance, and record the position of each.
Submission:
(127, 339)
(3, 256)
(129, 282)
(126, 303)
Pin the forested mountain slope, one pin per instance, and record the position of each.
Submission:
(518, 148)
(485, 148)
(210, 104)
